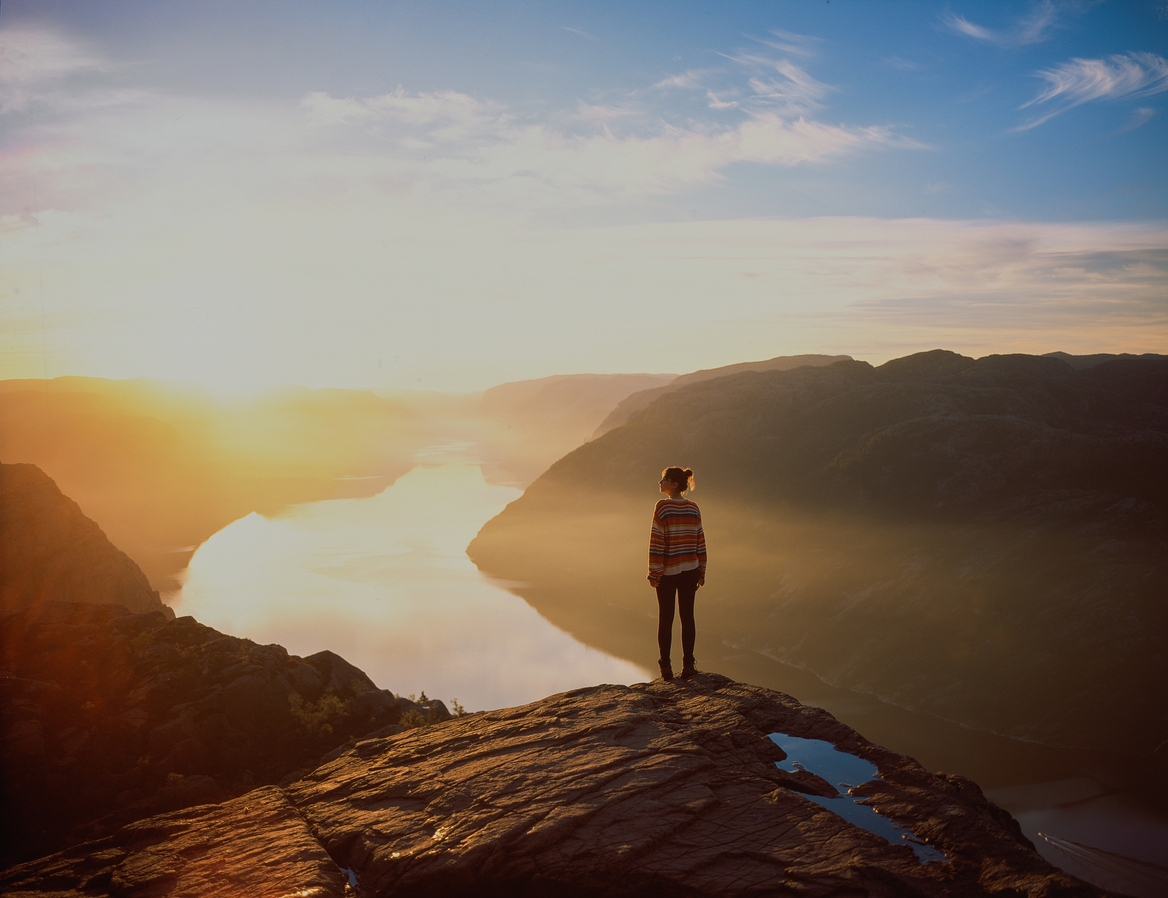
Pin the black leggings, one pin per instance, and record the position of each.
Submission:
(683, 585)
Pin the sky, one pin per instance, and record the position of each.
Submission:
(448, 196)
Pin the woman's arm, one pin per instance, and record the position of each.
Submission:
(656, 549)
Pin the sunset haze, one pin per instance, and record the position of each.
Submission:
(451, 196)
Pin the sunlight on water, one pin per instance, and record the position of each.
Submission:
(385, 582)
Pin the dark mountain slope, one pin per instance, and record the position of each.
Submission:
(983, 539)
(51, 552)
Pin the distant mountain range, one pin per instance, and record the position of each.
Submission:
(984, 539)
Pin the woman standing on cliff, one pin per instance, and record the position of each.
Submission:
(677, 565)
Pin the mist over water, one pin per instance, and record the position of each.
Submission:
(385, 582)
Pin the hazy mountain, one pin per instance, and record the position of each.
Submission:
(1098, 358)
(983, 539)
(641, 399)
(51, 552)
(529, 424)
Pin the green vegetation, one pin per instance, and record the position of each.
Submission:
(317, 718)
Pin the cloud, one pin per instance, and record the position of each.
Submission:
(761, 78)
(600, 114)
(1031, 29)
(105, 137)
(778, 85)
(716, 101)
(454, 144)
(1084, 80)
(35, 62)
(1138, 118)
(688, 80)
(457, 115)
(790, 43)
(580, 32)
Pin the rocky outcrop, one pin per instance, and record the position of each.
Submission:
(983, 539)
(51, 552)
(656, 789)
(110, 716)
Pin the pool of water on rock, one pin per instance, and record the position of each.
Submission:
(845, 771)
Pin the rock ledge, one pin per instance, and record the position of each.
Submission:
(652, 789)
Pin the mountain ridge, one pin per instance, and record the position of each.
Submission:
(938, 531)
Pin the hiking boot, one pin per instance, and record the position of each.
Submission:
(666, 669)
(688, 669)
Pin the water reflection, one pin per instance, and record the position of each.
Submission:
(385, 582)
(845, 772)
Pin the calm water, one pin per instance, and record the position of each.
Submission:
(846, 771)
(385, 582)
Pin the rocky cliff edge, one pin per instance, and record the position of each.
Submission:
(699, 787)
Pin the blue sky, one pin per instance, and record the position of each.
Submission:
(453, 195)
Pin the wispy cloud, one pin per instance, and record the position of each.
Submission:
(1083, 80)
(1031, 29)
(790, 43)
(455, 143)
(760, 78)
(35, 62)
(688, 80)
(448, 146)
(578, 31)
(1139, 118)
(721, 101)
(778, 85)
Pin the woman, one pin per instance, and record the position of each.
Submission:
(677, 565)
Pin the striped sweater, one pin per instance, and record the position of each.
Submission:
(676, 542)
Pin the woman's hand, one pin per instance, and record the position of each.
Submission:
(701, 581)
(653, 581)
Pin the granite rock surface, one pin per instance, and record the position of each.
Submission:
(653, 789)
